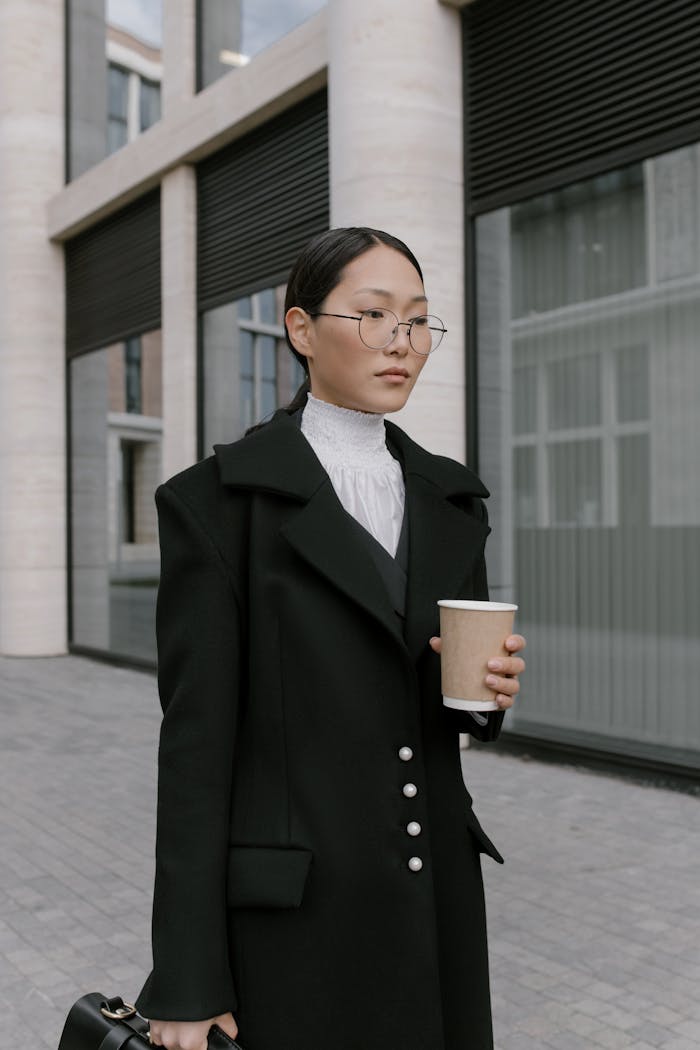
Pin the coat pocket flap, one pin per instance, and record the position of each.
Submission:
(485, 843)
(267, 876)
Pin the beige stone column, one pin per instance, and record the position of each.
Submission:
(32, 384)
(178, 268)
(179, 53)
(179, 254)
(395, 99)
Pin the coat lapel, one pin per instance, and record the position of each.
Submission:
(322, 533)
(438, 532)
(278, 459)
(443, 541)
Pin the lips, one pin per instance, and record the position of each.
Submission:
(394, 372)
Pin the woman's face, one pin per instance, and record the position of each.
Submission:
(342, 369)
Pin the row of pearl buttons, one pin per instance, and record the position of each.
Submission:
(410, 791)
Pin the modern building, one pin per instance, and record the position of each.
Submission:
(161, 166)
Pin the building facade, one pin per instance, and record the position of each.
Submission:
(162, 165)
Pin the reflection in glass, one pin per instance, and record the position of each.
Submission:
(634, 484)
(588, 304)
(114, 71)
(267, 306)
(573, 392)
(524, 481)
(118, 108)
(588, 239)
(525, 399)
(116, 434)
(632, 383)
(248, 370)
(149, 104)
(231, 32)
(575, 483)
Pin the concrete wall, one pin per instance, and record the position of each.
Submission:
(32, 423)
(395, 109)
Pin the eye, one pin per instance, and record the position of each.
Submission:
(375, 314)
(421, 322)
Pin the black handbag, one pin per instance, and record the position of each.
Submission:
(97, 1023)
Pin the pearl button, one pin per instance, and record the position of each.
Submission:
(413, 828)
(415, 863)
(410, 790)
(405, 754)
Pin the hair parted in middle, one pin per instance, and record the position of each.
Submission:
(317, 271)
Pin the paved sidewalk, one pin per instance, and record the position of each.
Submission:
(594, 920)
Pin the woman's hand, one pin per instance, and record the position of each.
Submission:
(503, 670)
(189, 1035)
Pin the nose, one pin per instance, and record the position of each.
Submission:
(400, 344)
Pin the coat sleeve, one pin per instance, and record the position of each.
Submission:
(198, 630)
(464, 721)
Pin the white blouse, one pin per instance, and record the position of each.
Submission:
(367, 479)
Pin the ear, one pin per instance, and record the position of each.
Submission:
(300, 329)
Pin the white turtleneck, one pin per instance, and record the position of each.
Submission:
(367, 479)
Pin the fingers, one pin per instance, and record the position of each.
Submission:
(499, 684)
(228, 1024)
(515, 642)
(180, 1035)
(436, 644)
(507, 665)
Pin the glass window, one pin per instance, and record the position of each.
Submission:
(149, 103)
(575, 483)
(117, 108)
(525, 487)
(595, 490)
(573, 392)
(116, 435)
(248, 369)
(633, 479)
(230, 34)
(525, 399)
(113, 71)
(632, 383)
(267, 305)
(588, 239)
(132, 375)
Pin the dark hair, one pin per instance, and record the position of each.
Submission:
(319, 269)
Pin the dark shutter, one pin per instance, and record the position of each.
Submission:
(260, 200)
(558, 90)
(113, 278)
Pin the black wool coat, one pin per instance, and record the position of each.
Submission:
(283, 891)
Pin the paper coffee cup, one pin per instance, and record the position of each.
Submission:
(472, 633)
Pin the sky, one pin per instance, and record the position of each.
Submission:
(142, 18)
(265, 21)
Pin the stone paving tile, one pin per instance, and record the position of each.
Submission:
(594, 920)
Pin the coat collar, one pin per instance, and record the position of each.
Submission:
(278, 459)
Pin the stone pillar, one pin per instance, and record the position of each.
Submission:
(396, 158)
(179, 254)
(179, 53)
(179, 304)
(32, 372)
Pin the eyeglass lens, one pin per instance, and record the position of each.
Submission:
(378, 328)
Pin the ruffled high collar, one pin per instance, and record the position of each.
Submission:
(344, 436)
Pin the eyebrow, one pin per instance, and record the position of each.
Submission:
(388, 295)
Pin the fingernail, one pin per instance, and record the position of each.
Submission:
(491, 679)
(495, 665)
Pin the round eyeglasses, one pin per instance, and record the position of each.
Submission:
(379, 327)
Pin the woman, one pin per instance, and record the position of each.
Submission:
(318, 880)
